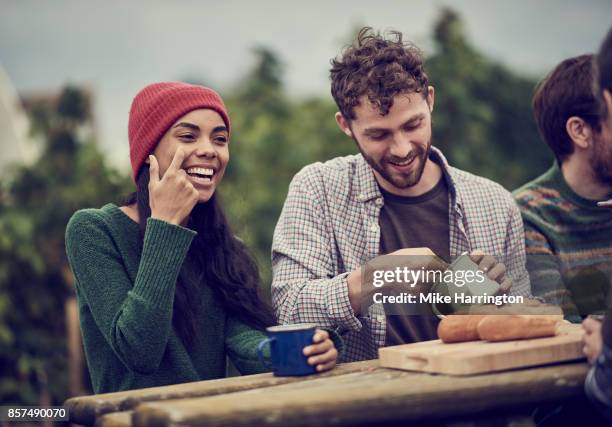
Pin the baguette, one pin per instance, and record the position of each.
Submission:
(459, 328)
(513, 327)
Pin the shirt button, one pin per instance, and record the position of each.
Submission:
(379, 201)
(380, 318)
(374, 228)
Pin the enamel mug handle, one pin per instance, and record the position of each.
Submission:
(260, 348)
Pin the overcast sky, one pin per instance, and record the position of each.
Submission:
(117, 47)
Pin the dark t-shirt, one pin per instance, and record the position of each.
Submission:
(411, 222)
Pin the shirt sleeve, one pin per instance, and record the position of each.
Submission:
(515, 254)
(135, 318)
(306, 286)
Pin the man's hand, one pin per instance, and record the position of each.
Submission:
(495, 270)
(412, 258)
(591, 339)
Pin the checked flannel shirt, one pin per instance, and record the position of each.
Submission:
(329, 227)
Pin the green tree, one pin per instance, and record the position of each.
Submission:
(482, 116)
(273, 137)
(35, 280)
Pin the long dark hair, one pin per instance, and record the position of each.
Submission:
(223, 263)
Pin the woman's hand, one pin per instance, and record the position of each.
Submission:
(322, 353)
(171, 197)
(591, 339)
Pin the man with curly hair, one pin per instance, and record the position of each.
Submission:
(398, 193)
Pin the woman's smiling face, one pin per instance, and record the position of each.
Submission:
(204, 138)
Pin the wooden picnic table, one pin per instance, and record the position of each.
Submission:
(360, 393)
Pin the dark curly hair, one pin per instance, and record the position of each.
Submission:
(378, 67)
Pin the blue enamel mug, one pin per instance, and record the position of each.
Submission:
(287, 344)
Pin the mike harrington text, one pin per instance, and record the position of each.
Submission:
(436, 298)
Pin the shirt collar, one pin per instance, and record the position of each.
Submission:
(448, 172)
(366, 187)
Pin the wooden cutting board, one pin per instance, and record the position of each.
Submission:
(477, 357)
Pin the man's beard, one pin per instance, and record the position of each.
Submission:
(400, 180)
(601, 161)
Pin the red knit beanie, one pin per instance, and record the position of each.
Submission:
(156, 107)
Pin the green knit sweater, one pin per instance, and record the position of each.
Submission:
(125, 289)
(569, 245)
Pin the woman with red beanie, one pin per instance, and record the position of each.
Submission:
(165, 290)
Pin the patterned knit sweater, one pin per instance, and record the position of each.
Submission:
(569, 245)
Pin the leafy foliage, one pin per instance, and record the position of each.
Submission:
(35, 281)
(482, 115)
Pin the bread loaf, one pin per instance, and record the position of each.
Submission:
(513, 327)
(459, 328)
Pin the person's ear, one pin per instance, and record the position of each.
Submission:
(430, 98)
(343, 124)
(579, 131)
